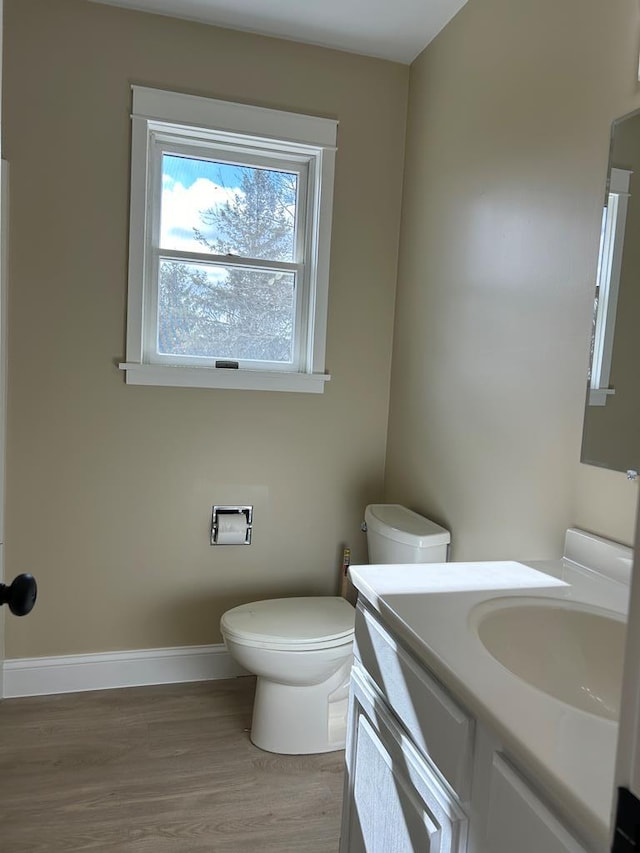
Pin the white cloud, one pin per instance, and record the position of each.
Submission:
(181, 209)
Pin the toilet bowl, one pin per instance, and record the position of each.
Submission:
(301, 649)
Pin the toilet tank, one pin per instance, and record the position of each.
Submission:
(395, 534)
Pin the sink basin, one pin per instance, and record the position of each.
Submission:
(570, 651)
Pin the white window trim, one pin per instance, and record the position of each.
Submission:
(609, 267)
(311, 133)
(205, 377)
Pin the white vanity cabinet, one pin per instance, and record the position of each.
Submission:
(422, 774)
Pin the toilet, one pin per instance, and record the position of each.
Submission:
(301, 649)
(395, 534)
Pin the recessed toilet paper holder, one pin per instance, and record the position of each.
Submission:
(217, 512)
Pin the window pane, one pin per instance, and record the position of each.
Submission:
(222, 208)
(214, 311)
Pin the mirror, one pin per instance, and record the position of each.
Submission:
(611, 430)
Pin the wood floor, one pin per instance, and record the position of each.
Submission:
(165, 769)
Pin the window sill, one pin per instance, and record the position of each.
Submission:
(598, 396)
(204, 377)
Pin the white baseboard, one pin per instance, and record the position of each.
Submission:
(75, 673)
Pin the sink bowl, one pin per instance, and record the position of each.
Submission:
(570, 651)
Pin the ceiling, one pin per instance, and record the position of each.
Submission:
(389, 29)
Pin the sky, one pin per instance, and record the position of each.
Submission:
(190, 186)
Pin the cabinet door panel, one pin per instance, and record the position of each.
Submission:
(390, 815)
(394, 802)
(437, 724)
(518, 820)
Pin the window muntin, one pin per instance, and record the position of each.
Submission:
(185, 274)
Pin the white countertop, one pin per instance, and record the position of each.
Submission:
(571, 752)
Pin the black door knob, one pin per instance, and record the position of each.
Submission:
(20, 595)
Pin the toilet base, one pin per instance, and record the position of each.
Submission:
(301, 719)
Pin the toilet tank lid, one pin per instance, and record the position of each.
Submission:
(307, 619)
(400, 524)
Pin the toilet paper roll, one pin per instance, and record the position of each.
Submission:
(232, 528)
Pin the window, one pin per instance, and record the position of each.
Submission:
(229, 244)
(614, 220)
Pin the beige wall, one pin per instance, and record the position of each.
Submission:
(110, 486)
(507, 147)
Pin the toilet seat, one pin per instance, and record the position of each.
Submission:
(292, 624)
